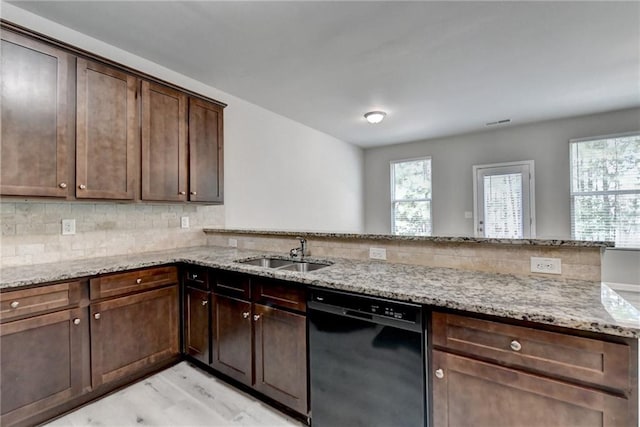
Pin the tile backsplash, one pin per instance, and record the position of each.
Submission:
(31, 230)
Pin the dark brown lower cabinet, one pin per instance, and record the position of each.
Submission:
(196, 324)
(42, 363)
(131, 333)
(470, 392)
(281, 356)
(232, 338)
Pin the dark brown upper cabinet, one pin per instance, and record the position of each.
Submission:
(164, 143)
(37, 118)
(107, 134)
(205, 151)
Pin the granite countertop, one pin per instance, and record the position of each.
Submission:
(576, 304)
(428, 239)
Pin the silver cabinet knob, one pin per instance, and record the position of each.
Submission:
(62, 185)
(96, 316)
(245, 314)
(76, 321)
(15, 304)
(204, 302)
(256, 317)
(515, 345)
(195, 276)
(439, 373)
(82, 186)
(138, 281)
(193, 193)
(182, 193)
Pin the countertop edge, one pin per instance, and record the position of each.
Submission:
(425, 239)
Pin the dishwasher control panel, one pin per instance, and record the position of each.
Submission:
(368, 305)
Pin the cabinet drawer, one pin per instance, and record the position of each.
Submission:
(549, 353)
(24, 302)
(133, 281)
(196, 277)
(274, 293)
(235, 285)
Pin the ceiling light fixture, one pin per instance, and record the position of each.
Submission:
(374, 117)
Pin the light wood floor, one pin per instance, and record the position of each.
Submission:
(179, 396)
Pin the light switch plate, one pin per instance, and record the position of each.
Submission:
(68, 227)
(378, 253)
(468, 215)
(546, 265)
(184, 222)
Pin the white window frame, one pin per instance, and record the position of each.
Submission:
(531, 202)
(393, 186)
(572, 194)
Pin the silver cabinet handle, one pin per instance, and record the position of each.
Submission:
(82, 186)
(138, 281)
(195, 276)
(62, 185)
(76, 321)
(256, 317)
(204, 302)
(182, 193)
(515, 345)
(439, 373)
(15, 304)
(96, 316)
(193, 193)
(245, 314)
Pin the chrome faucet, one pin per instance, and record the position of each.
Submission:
(302, 250)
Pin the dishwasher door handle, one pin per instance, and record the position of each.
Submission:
(357, 314)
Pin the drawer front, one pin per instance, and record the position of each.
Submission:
(282, 294)
(32, 301)
(196, 277)
(549, 353)
(235, 285)
(133, 281)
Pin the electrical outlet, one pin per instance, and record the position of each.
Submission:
(378, 253)
(184, 222)
(233, 243)
(468, 215)
(546, 265)
(68, 227)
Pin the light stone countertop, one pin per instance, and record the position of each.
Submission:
(426, 239)
(576, 304)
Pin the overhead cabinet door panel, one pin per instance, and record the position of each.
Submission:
(106, 132)
(205, 152)
(35, 118)
(164, 143)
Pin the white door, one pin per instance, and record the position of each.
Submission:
(504, 204)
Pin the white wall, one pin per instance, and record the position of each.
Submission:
(279, 174)
(547, 143)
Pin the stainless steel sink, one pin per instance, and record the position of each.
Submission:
(303, 267)
(267, 262)
(285, 264)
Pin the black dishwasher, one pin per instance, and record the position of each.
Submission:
(366, 361)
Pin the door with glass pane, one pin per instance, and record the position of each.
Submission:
(504, 200)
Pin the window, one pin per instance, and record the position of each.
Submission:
(411, 197)
(605, 189)
(503, 200)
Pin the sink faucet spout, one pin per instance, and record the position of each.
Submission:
(301, 250)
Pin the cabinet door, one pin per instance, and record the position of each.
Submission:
(164, 143)
(231, 341)
(205, 152)
(36, 116)
(470, 392)
(42, 363)
(196, 324)
(106, 135)
(129, 334)
(281, 356)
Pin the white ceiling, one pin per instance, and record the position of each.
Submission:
(437, 68)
